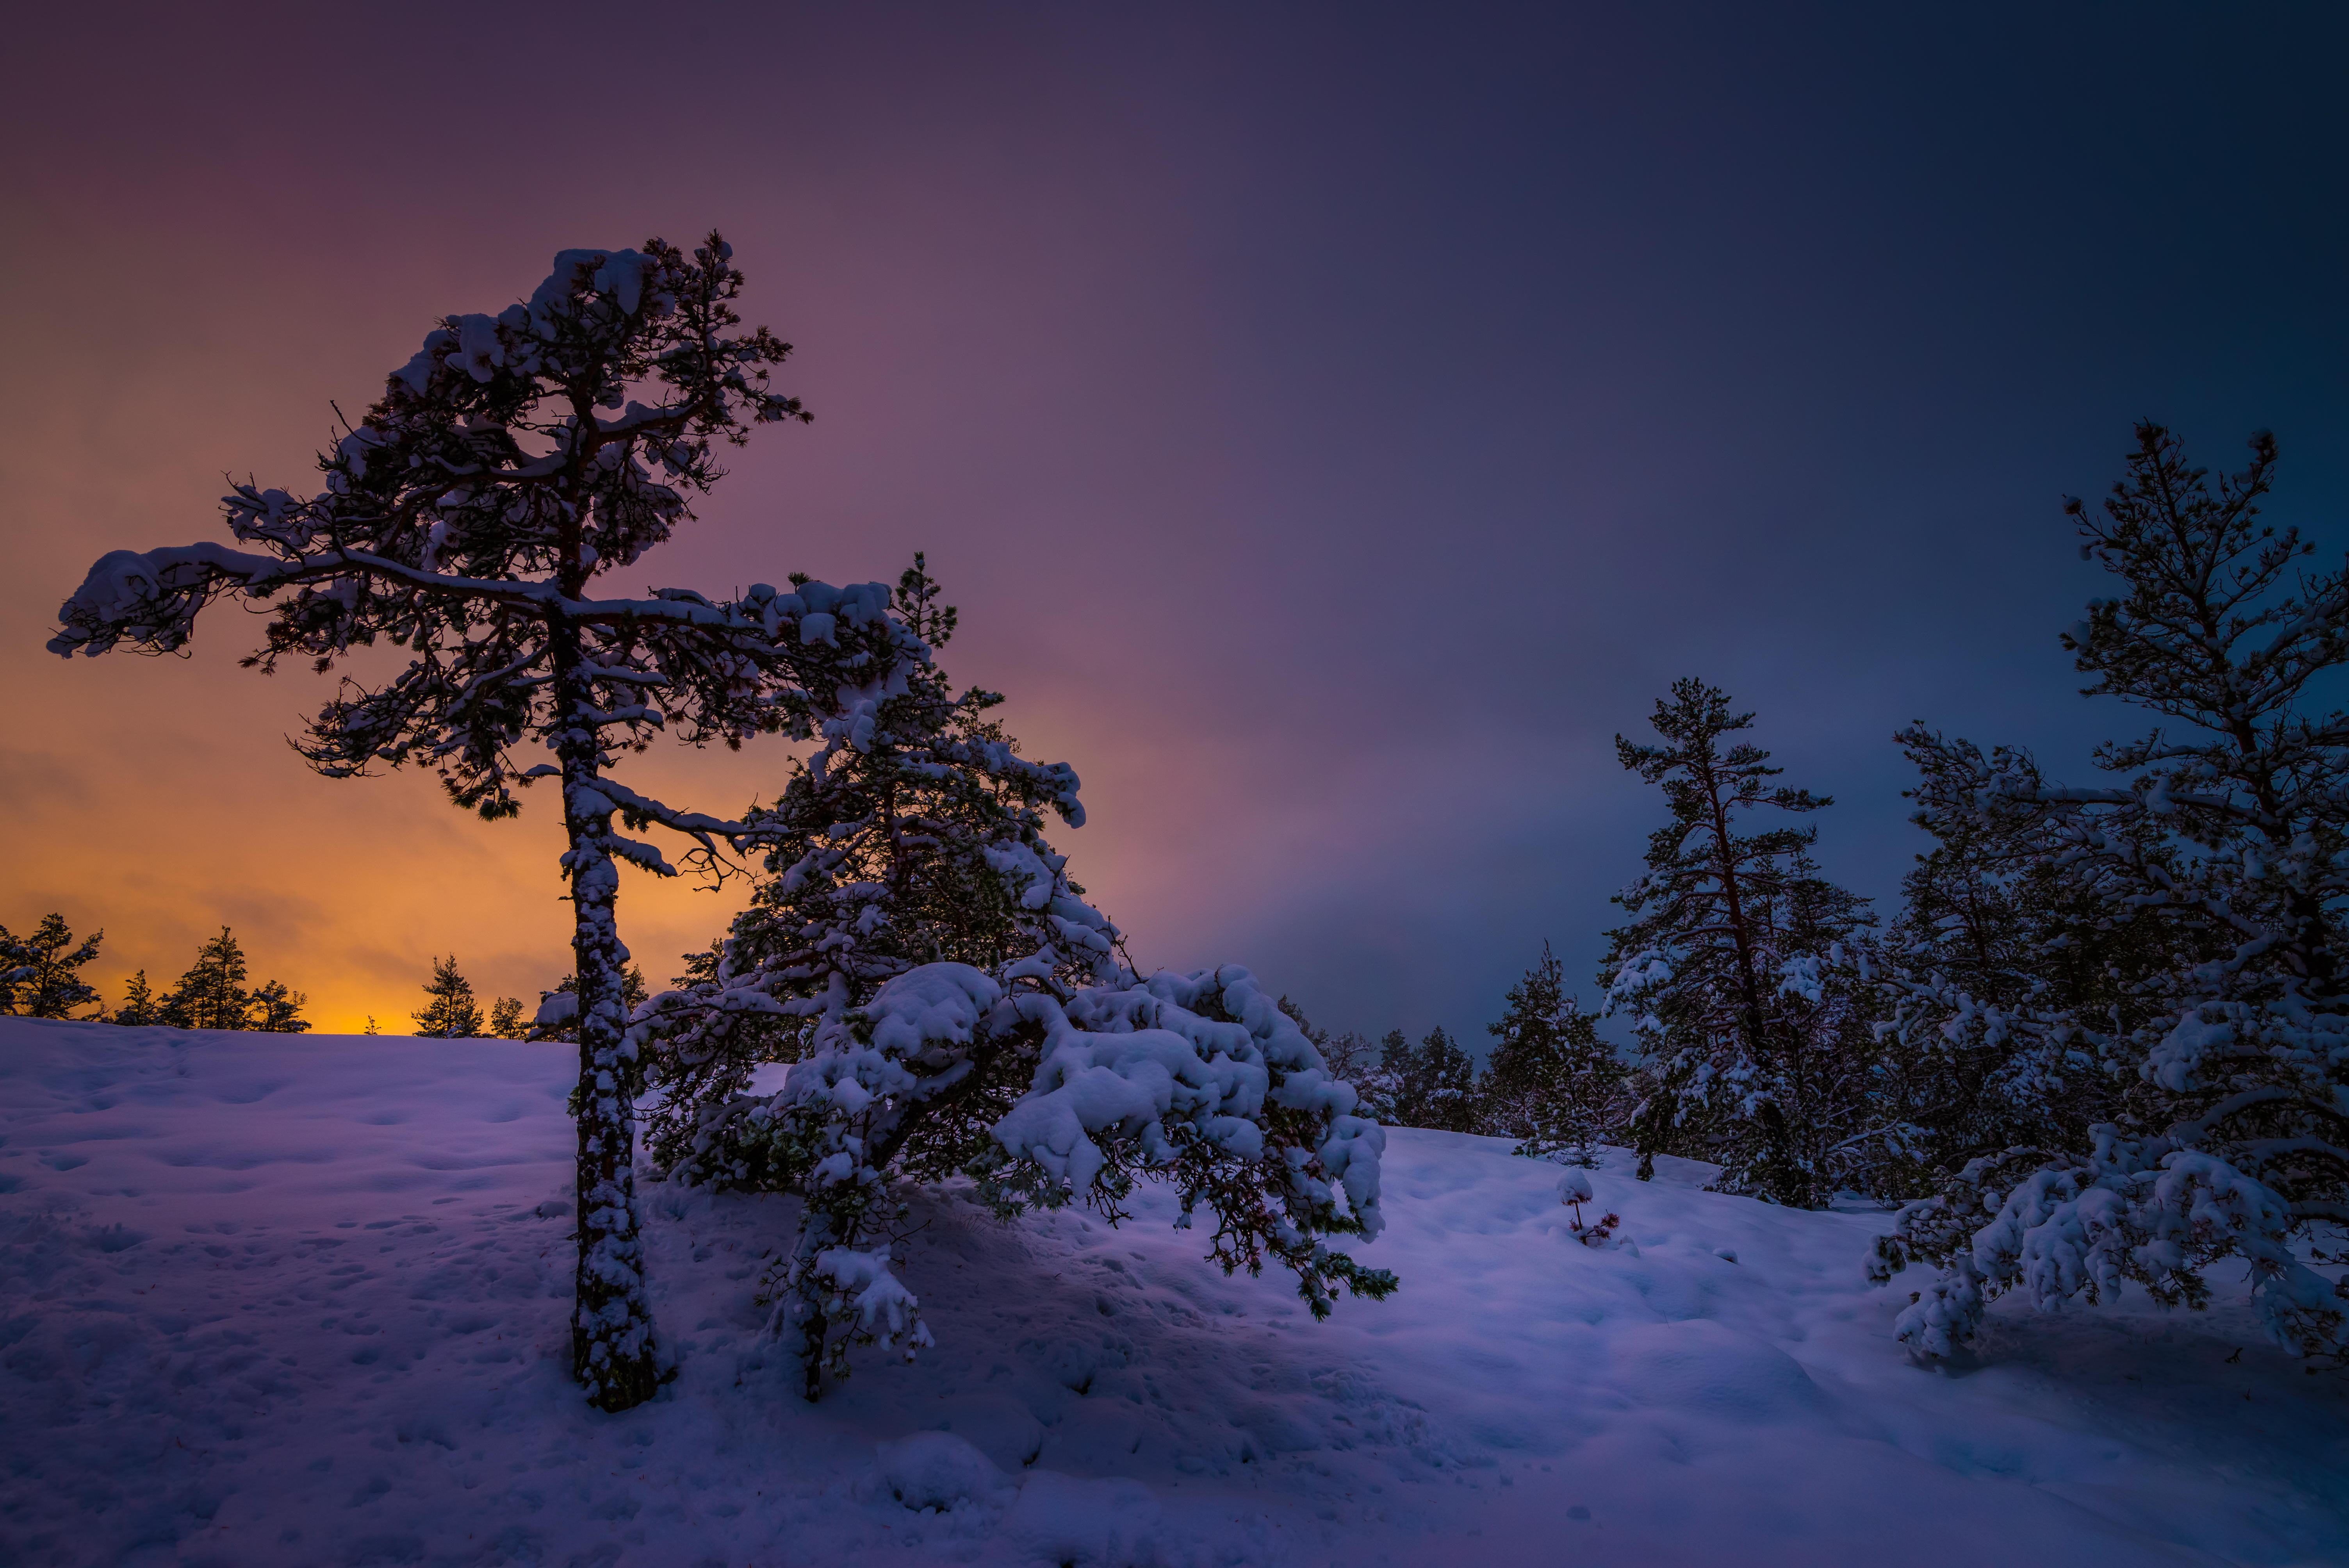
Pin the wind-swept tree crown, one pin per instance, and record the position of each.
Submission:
(512, 459)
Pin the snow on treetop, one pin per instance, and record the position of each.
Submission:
(935, 1002)
(1126, 1058)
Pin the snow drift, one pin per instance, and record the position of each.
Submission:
(273, 1299)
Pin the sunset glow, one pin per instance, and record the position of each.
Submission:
(1332, 439)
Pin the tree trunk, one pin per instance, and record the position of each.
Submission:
(804, 1307)
(612, 1348)
(1782, 1185)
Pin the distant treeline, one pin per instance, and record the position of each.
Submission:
(40, 977)
(452, 1010)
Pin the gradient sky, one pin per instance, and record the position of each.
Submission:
(1335, 422)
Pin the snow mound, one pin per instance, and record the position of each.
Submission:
(1705, 1368)
(1095, 1523)
(937, 1470)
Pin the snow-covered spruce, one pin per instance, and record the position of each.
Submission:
(2213, 881)
(913, 834)
(515, 458)
(1990, 952)
(961, 1009)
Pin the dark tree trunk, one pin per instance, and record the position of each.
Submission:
(612, 1344)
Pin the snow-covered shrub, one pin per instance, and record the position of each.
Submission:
(1574, 1190)
(2223, 858)
(965, 1011)
(1198, 1080)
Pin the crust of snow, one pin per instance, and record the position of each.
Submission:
(291, 1299)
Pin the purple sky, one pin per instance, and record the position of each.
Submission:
(1335, 422)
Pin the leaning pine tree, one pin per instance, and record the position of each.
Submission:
(2220, 858)
(965, 1011)
(514, 459)
(1754, 1050)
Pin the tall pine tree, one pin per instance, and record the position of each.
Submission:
(1995, 956)
(1756, 1050)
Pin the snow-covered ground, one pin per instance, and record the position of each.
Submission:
(273, 1299)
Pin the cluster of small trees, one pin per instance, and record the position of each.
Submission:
(2105, 1039)
(452, 1010)
(1550, 1081)
(40, 977)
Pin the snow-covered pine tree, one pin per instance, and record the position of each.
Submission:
(892, 847)
(212, 993)
(962, 1011)
(1381, 1079)
(1997, 955)
(1552, 1083)
(1756, 1052)
(514, 459)
(450, 1009)
(2223, 851)
(40, 973)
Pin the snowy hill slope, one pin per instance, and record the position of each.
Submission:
(272, 1299)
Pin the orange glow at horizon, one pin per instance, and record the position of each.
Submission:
(1333, 431)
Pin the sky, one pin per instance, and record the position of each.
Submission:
(1336, 423)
